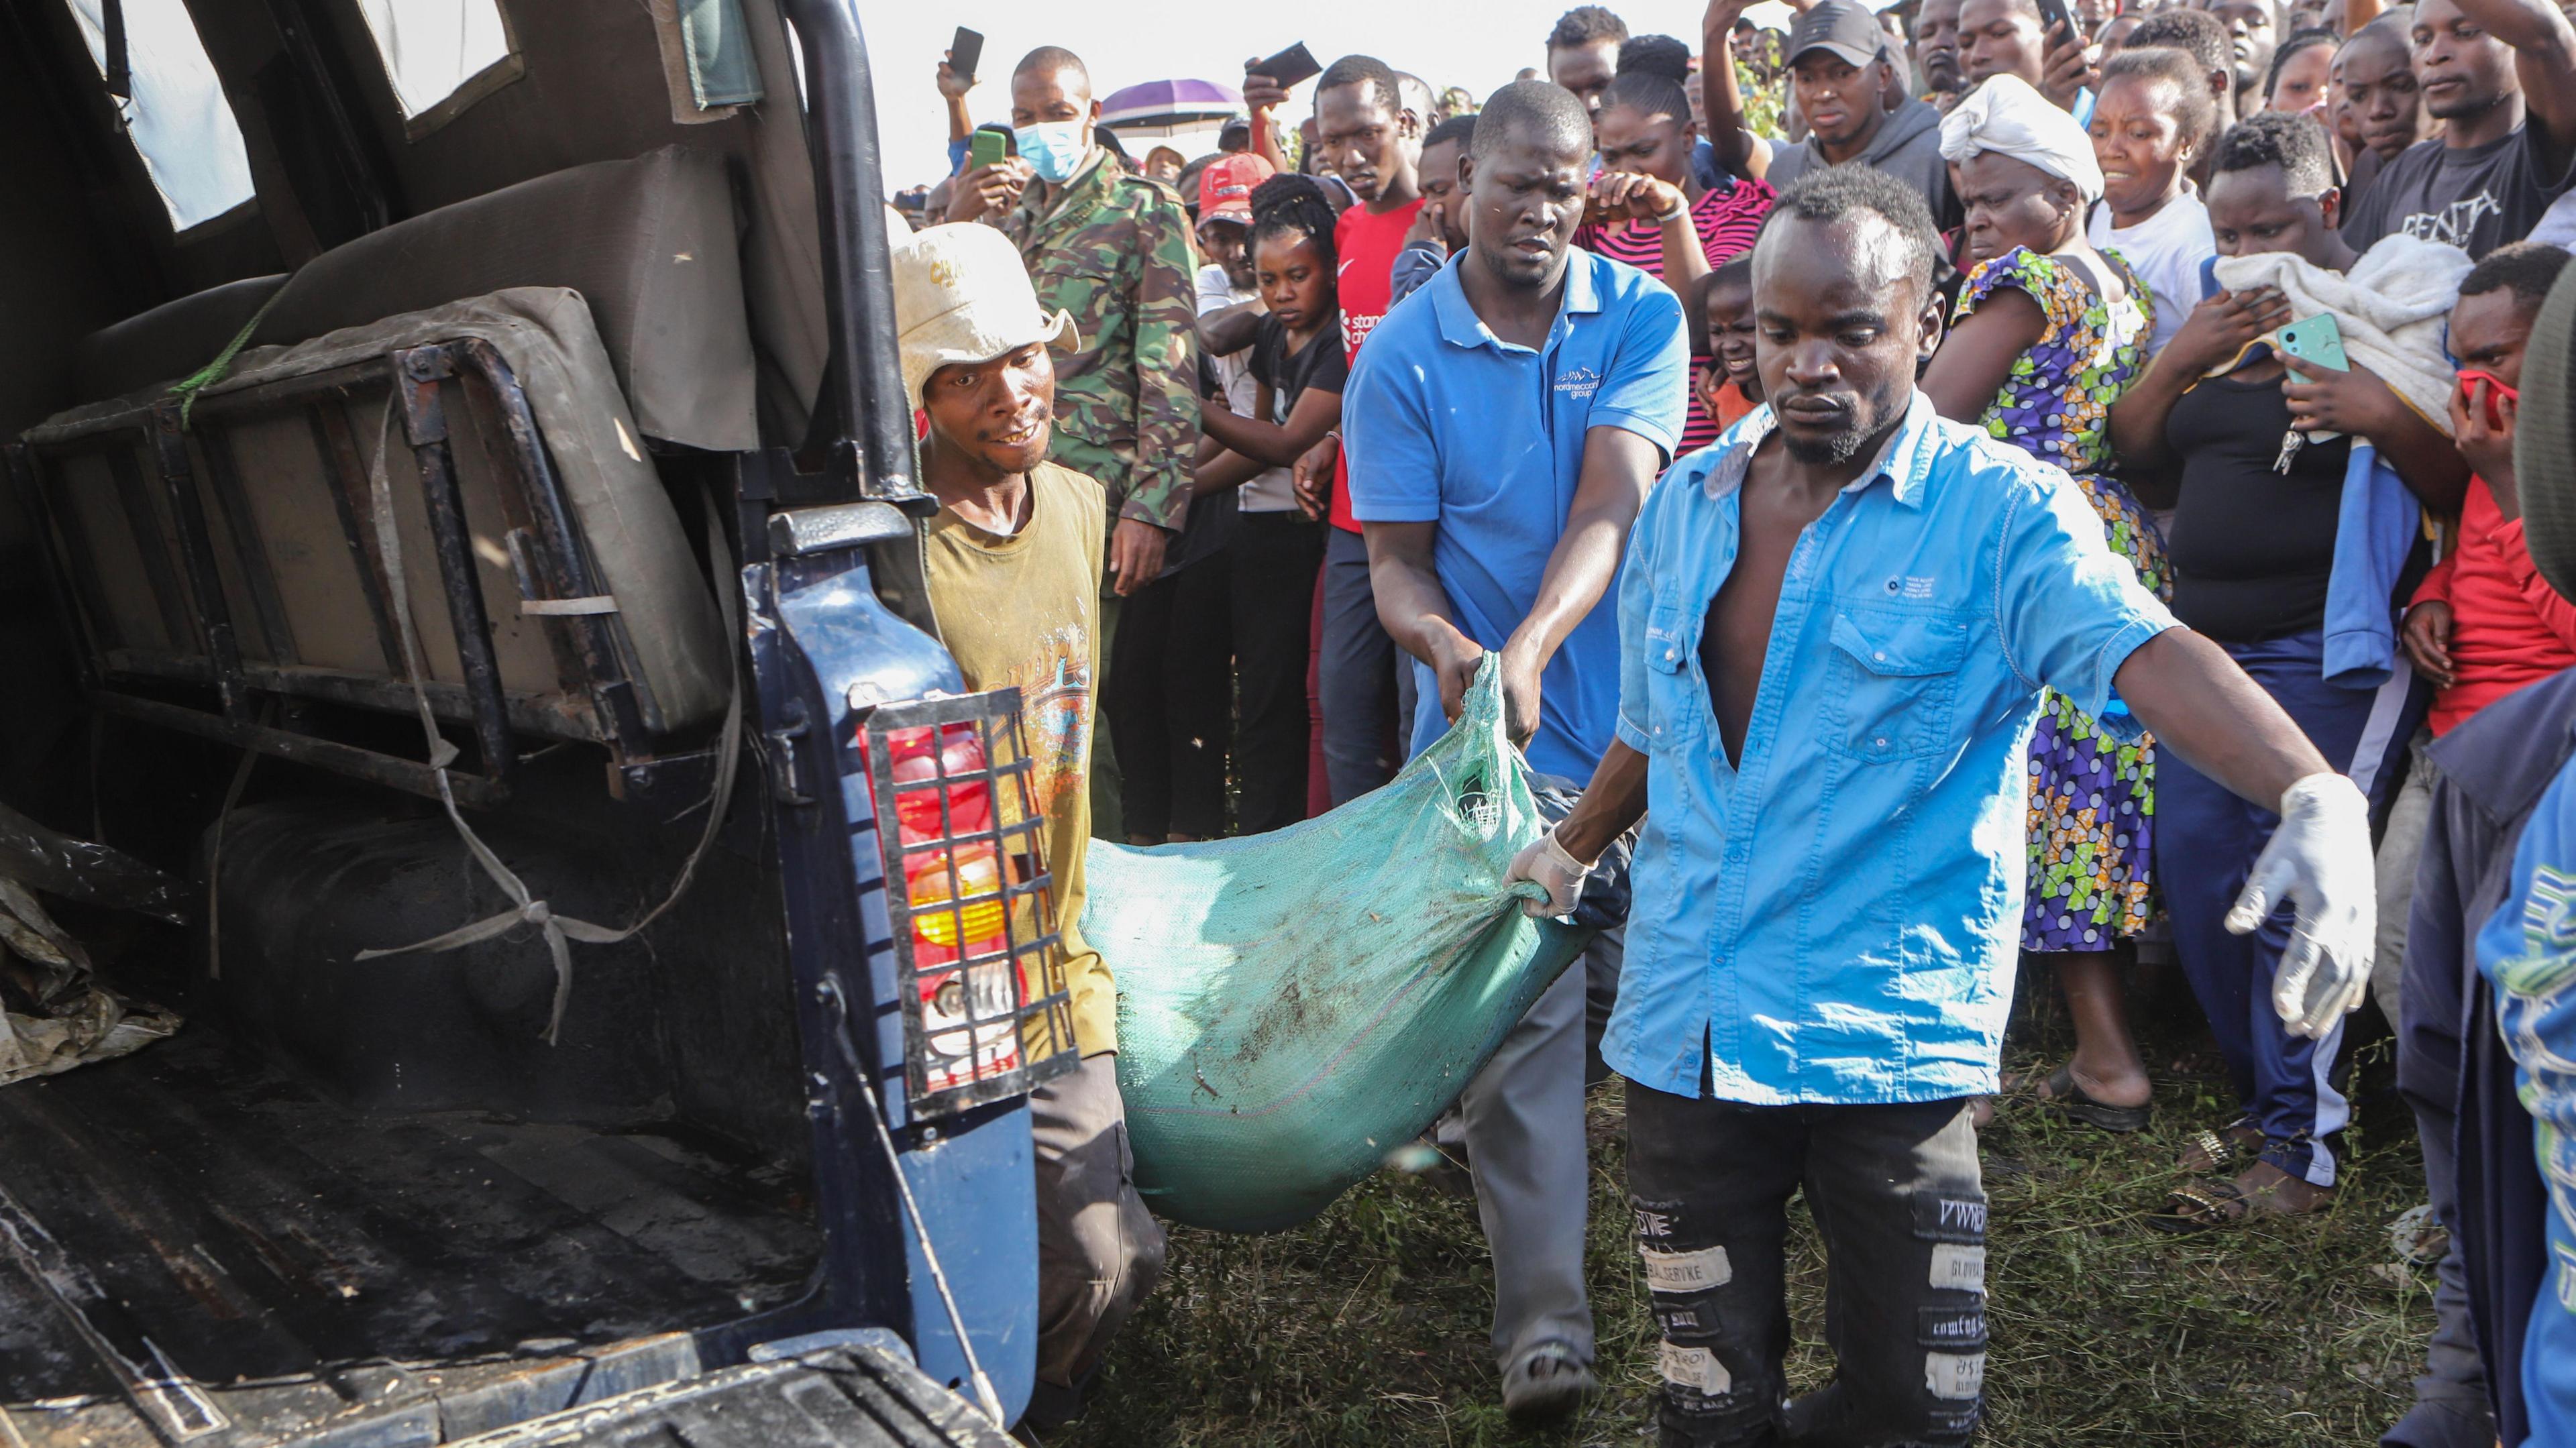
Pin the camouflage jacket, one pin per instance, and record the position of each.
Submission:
(1117, 252)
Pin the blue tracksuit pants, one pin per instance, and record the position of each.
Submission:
(2206, 841)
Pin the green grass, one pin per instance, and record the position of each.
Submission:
(1367, 1326)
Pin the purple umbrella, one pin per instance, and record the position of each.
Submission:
(1170, 104)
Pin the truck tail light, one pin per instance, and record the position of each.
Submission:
(972, 904)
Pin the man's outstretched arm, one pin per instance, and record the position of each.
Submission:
(2203, 707)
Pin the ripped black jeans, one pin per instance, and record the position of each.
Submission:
(1895, 1191)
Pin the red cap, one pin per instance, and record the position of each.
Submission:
(1225, 186)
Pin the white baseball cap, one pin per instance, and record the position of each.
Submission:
(962, 294)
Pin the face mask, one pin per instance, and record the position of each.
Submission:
(1054, 148)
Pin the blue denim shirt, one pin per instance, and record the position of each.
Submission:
(1835, 917)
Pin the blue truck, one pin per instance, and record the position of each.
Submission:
(462, 519)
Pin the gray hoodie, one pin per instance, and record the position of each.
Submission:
(1907, 147)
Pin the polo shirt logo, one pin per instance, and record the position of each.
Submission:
(1579, 383)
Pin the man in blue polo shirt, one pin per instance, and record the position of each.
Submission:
(1835, 624)
(1505, 423)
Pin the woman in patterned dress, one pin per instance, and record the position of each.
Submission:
(2047, 334)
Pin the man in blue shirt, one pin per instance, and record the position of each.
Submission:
(1505, 423)
(1836, 623)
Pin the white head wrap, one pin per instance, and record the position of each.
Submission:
(2004, 115)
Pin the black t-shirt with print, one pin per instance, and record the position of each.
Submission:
(1325, 368)
(2476, 198)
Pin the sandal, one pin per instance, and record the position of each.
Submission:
(2060, 1094)
(2202, 1205)
(2209, 1153)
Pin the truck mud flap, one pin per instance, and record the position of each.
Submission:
(853, 1396)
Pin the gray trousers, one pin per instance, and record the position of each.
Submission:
(2450, 1408)
(1099, 1251)
(1526, 1149)
(2399, 847)
(2451, 1397)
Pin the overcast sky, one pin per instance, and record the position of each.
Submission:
(1463, 42)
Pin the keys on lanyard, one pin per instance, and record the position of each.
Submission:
(2291, 442)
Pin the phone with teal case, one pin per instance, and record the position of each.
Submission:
(2317, 339)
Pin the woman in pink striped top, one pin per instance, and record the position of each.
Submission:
(1648, 210)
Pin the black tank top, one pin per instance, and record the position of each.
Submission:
(2251, 548)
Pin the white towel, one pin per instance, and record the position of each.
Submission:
(2003, 114)
(2394, 307)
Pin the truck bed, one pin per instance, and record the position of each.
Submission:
(194, 1242)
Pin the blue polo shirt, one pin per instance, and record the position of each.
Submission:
(2527, 950)
(1835, 917)
(1447, 423)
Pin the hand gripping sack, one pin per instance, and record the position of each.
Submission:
(1294, 1006)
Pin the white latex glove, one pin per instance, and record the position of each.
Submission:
(2319, 862)
(1544, 863)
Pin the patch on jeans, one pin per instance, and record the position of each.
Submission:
(1952, 1327)
(1954, 1375)
(1949, 1217)
(1657, 1223)
(1958, 1268)
(1695, 1369)
(1686, 1272)
(2566, 1278)
(1685, 1318)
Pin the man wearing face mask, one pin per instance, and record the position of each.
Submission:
(1114, 250)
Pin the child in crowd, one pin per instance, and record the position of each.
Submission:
(1721, 315)
(1249, 604)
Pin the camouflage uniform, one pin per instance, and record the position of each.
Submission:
(1117, 252)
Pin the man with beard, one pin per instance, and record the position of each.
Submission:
(1505, 423)
(2500, 75)
(1840, 65)
(1835, 624)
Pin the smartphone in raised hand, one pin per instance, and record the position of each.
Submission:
(1290, 66)
(985, 147)
(2052, 14)
(965, 52)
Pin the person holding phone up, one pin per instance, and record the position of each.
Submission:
(1116, 251)
(2034, 39)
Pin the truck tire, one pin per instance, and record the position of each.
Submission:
(841, 1397)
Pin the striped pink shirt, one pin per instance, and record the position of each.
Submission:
(1726, 222)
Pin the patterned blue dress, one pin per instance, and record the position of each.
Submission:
(2092, 798)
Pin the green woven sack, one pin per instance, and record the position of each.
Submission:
(1294, 1006)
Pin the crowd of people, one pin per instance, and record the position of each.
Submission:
(1961, 489)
